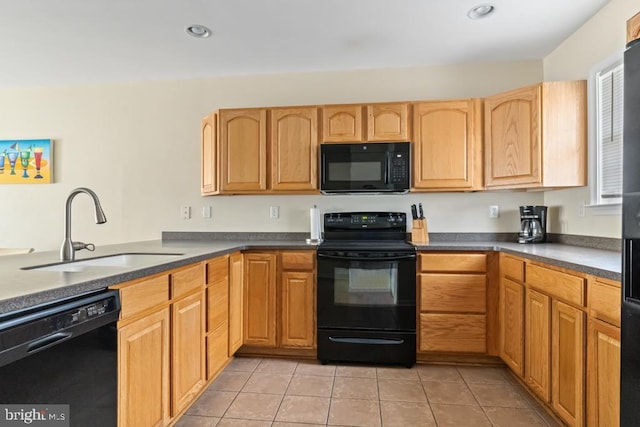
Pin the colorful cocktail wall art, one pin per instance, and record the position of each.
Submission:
(26, 161)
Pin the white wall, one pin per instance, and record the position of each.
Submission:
(598, 39)
(137, 146)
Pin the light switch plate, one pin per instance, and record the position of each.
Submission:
(185, 212)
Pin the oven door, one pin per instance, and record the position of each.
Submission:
(367, 290)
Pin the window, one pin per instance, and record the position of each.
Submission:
(606, 133)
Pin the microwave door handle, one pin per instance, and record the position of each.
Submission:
(387, 172)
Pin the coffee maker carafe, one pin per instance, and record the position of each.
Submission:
(533, 224)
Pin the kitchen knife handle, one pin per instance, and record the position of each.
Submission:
(414, 212)
(420, 212)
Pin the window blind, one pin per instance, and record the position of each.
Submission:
(610, 101)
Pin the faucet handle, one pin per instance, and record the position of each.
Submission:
(78, 246)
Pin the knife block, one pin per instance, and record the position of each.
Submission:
(419, 233)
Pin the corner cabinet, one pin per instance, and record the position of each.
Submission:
(536, 137)
(243, 144)
(447, 146)
(209, 179)
(633, 28)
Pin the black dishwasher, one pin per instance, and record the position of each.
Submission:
(62, 353)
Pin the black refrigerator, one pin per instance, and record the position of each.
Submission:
(630, 332)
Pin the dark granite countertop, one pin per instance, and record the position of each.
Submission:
(21, 289)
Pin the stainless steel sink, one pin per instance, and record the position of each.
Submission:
(124, 260)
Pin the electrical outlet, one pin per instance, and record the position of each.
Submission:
(274, 212)
(581, 209)
(494, 211)
(206, 211)
(185, 212)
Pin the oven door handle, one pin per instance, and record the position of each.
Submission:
(351, 258)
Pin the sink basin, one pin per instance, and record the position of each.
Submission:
(126, 260)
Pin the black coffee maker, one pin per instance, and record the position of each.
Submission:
(533, 224)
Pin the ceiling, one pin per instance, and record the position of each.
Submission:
(53, 42)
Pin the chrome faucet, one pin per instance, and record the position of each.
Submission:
(69, 248)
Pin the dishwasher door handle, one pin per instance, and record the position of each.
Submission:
(48, 341)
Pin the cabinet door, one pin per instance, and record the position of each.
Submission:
(513, 138)
(603, 387)
(447, 145)
(243, 140)
(297, 321)
(537, 343)
(342, 123)
(388, 122)
(217, 350)
(567, 354)
(236, 312)
(217, 293)
(260, 299)
(512, 325)
(187, 350)
(143, 371)
(294, 149)
(633, 28)
(209, 155)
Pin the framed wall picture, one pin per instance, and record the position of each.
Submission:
(26, 161)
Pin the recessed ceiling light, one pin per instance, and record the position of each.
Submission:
(481, 11)
(198, 31)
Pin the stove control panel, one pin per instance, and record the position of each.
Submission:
(360, 220)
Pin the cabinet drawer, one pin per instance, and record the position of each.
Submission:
(186, 280)
(218, 270)
(453, 333)
(604, 301)
(139, 296)
(298, 260)
(458, 293)
(453, 262)
(217, 307)
(557, 284)
(512, 268)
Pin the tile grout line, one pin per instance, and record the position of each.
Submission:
(475, 398)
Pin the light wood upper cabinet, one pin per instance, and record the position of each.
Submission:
(603, 379)
(387, 122)
(294, 148)
(342, 123)
(209, 155)
(236, 305)
(537, 369)
(447, 145)
(633, 28)
(143, 371)
(512, 325)
(535, 137)
(243, 143)
(260, 299)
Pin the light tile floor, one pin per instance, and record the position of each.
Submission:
(288, 393)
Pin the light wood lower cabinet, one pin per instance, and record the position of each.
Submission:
(236, 304)
(452, 302)
(297, 302)
(567, 354)
(603, 378)
(537, 343)
(143, 371)
(512, 325)
(260, 299)
(187, 351)
(217, 339)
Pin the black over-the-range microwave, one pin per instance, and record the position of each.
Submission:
(377, 167)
